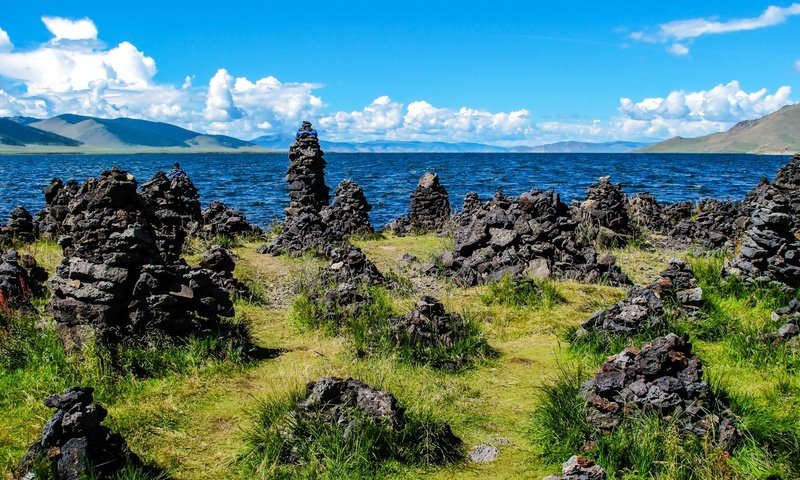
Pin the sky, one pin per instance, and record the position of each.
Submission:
(502, 73)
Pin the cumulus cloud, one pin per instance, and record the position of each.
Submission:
(5, 42)
(680, 32)
(66, 29)
(219, 101)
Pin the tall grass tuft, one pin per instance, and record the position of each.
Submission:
(521, 292)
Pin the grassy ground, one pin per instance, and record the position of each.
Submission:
(192, 421)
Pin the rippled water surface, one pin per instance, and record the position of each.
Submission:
(255, 184)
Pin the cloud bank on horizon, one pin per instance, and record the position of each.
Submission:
(75, 72)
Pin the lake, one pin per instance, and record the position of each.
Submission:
(254, 183)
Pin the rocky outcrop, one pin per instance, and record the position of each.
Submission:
(175, 209)
(57, 196)
(21, 280)
(663, 377)
(533, 233)
(645, 212)
(219, 220)
(74, 444)
(429, 210)
(472, 203)
(787, 181)
(348, 214)
(770, 252)
(603, 215)
(579, 467)
(20, 228)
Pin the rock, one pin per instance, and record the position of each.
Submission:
(678, 285)
(605, 207)
(219, 260)
(57, 196)
(221, 221)
(714, 225)
(579, 467)
(73, 441)
(20, 228)
(175, 209)
(640, 311)
(788, 319)
(663, 377)
(429, 210)
(483, 454)
(21, 280)
(349, 212)
(350, 265)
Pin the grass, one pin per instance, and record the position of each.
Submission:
(522, 292)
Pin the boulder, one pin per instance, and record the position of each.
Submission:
(605, 208)
(57, 196)
(20, 228)
(579, 467)
(21, 280)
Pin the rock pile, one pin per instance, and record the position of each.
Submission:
(788, 318)
(21, 279)
(604, 213)
(714, 226)
(533, 233)
(20, 228)
(640, 311)
(175, 209)
(678, 285)
(429, 210)
(663, 377)
(645, 212)
(339, 303)
(306, 174)
(770, 252)
(57, 196)
(349, 212)
(74, 443)
(579, 468)
(787, 181)
(472, 203)
(350, 265)
(219, 220)
(219, 260)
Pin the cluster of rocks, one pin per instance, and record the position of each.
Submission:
(579, 467)
(472, 203)
(57, 196)
(663, 377)
(349, 264)
(219, 260)
(348, 214)
(646, 212)
(713, 226)
(20, 228)
(430, 326)
(115, 280)
(175, 210)
(429, 210)
(219, 220)
(787, 181)
(21, 279)
(603, 216)
(534, 233)
(643, 308)
(770, 252)
(788, 318)
(74, 444)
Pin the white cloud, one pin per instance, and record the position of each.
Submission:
(219, 101)
(5, 42)
(187, 82)
(679, 32)
(797, 65)
(66, 29)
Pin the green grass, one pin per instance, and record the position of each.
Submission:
(520, 292)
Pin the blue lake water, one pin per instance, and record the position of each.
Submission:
(255, 185)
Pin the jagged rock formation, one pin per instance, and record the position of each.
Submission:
(115, 280)
(219, 260)
(339, 303)
(349, 212)
(57, 196)
(579, 468)
(533, 233)
(645, 212)
(429, 210)
(219, 220)
(21, 280)
(603, 215)
(74, 443)
(770, 252)
(663, 377)
(787, 181)
(472, 203)
(175, 209)
(20, 228)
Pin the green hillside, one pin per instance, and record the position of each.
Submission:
(17, 134)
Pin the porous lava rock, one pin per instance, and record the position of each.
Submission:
(348, 214)
(74, 444)
(714, 225)
(349, 264)
(579, 467)
(787, 180)
(57, 196)
(663, 377)
(788, 321)
(220, 260)
(472, 203)
(770, 253)
(534, 233)
(219, 220)
(429, 210)
(640, 311)
(21, 280)
(645, 212)
(20, 228)
(604, 213)
(340, 302)
(175, 210)
(305, 232)
(678, 285)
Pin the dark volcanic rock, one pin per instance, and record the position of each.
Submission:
(605, 207)
(305, 232)
(349, 212)
(645, 212)
(788, 319)
(306, 174)
(770, 252)
(579, 468)
(20, 228)
(472, 203)
(57, 196)
(219, 220)
(220, 260)
(663, 377)
(714, 225)
(175, 209)
(21, 279)
(74, 442)
(678, 285)
(533, 233)
(641, 310)
(429, 210)
(350, 265)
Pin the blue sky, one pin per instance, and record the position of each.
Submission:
(495, 72)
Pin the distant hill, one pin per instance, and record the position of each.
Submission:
(778, 132)
(585, 147)
(15, 133)
(128, 132)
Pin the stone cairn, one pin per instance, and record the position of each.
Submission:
(603, 215)
(21, 280)
(75, 444)
(220, 260)
(176, 210)
(350, 265)
(348, 214)
(713, 227)
(643, 309)
(788, 318)
(472, 203)
(429, 210)
(645, 212)
(770, 252)
(663, 377)
(533, 233)
(219, 220)
(429, 326)
(57, 196)
(579, 467)
(788, 182)
(115, 280)
(20, 228)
